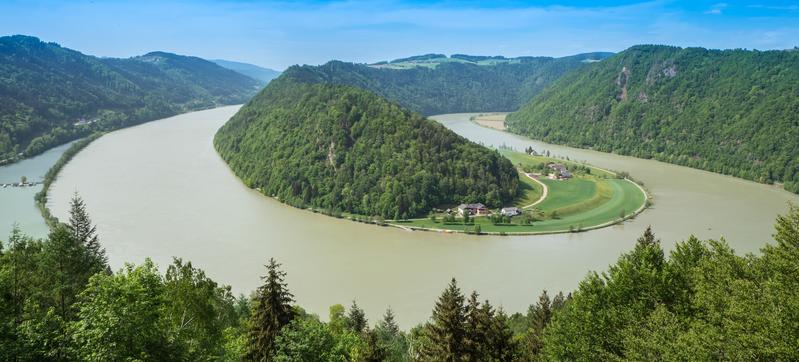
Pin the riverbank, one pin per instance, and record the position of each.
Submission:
(177, 197)
(593, 198)
(41, 197)
(491, 120)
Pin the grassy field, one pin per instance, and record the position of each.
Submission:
(529, 191)
(590, 199)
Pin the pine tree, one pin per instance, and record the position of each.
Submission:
(66, 271)
(388, 325)
(446, 330)
(391, 339)
(478, 328)
(648, 238)
(272, 311)
(83, 232)
(542, 312)
(356, 319)
(502, 346)
(540, 315)
(559, 301)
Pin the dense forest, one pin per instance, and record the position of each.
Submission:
(59, 301)
(734, 112)
(453, 86)
(342, 148)
(50, 95)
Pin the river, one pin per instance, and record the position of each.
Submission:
(17, 203)
(160, 190)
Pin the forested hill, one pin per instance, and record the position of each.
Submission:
(734, 111)
(50, 94)
(264, 75)
(449, 85)
(345, 149)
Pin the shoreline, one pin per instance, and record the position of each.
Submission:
(52, 175)
(393, 223)
(40, 199)
(778, 185)
(644, 206)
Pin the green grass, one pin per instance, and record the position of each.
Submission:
(567, 193)
(585, 201)
(529, 191)
(519, 158)
(625, 197)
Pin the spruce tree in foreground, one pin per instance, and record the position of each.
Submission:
(85, 233)
(478, 321)
(388, 325)
(501, 344)
(356, 319)
(272, 311)
(446, 331)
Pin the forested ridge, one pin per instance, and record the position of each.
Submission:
(734, 112)
(264, 75)
(50, 95)
(342, 148)
(450, 87)
(59, 301)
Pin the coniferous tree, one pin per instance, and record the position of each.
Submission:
(559, 301)
(85, 233)
(356, 319)
(501, 344)
(388, 324)
(477, 327)
(391, 339)
(64, 263)
(272, 311)
(648, 238)
(542, 312)
(446, 331)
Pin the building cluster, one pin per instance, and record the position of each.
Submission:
(559, 171)
(480, 209)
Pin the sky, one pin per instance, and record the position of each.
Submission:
(277, 34)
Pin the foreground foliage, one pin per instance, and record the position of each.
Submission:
(345, 149)
(703, 302)
(731, 111)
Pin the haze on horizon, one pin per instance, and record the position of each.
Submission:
(280, 34)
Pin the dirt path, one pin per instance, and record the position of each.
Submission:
(543, 195)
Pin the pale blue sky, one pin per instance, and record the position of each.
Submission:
(279, 34)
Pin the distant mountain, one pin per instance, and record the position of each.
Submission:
(253, 71)
(433, 60)
(733, 111)
(448, 85)
(50, 95)
(343, 148)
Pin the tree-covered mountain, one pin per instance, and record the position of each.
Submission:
(343, 148)
(449, 85)
(50, 95)
(734, 111)
(253, 71)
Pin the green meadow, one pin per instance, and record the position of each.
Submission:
(592, 198)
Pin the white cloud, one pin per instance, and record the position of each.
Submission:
(717, 9)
